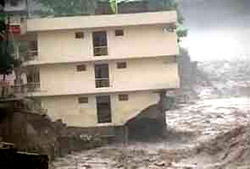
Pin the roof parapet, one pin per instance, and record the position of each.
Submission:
(100, 21)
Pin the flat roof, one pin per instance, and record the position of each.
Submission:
(101, 21)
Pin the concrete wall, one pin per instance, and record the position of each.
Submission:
(140, 74)
(99, 21)
(75, 114)
(138, 41)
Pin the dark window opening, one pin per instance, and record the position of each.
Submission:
(33, 80)
(33, 46)
(33, 76)
(32, 52)
(100, 43)
(14, 3)
(79, 35)
(81, 68)
(119, 32)
(102, 75)
(103, 109)
(121, 65)
(83, 100)
(123, 97)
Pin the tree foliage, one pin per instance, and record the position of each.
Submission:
(88, 7)
(6, 60)
(2, 25)
(181, 32)
(67, 7)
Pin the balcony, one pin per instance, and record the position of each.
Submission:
(6, 90)
(100, 51)
(102, 82)
(27, 88)
(30, 55)
(32, 87)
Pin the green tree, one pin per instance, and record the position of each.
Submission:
(114, 6)
(79, 7)
(67, 7)
(155, 5)
(2, 25)
(6, 59)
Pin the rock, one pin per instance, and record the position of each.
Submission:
(160, 164)
(119, 166)
(86, 166)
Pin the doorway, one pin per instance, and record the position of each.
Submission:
(103, 109)
(101, 75)
(100, 43)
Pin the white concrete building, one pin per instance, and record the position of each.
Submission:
(93, 71)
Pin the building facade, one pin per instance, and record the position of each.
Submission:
(103, 70)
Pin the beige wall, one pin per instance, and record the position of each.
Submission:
(72, 113)
(140, 74)
(142, 41)
(97, 21)
(63, 46)
(138, 41)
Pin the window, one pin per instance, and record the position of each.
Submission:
(14, 3)
(33, 50)
(121, 65)
(33, 75)
(81, 68)
(123, 97)
(33, 80)
(119, 32)
(100, 43)
(103, 105)
(83, 100)
(79, 35)
(101, 75)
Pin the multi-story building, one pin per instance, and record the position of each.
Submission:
(102, 70)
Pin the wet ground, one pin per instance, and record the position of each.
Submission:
(189, 126)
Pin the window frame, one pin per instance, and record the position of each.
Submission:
(119, 32)
(79, 68)
(79, 35)
(83, 100)
(100, 43)
(123, 97)
(121, 65)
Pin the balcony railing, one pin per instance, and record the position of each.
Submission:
(32, 87)
(5, 90)
(102, 82)
(29, 87)
(30, 55)
(100, 50)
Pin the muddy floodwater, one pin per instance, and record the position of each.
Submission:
(191, 129)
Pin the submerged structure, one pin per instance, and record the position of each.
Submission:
(103, 73)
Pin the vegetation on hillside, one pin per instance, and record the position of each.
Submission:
(89, 7)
